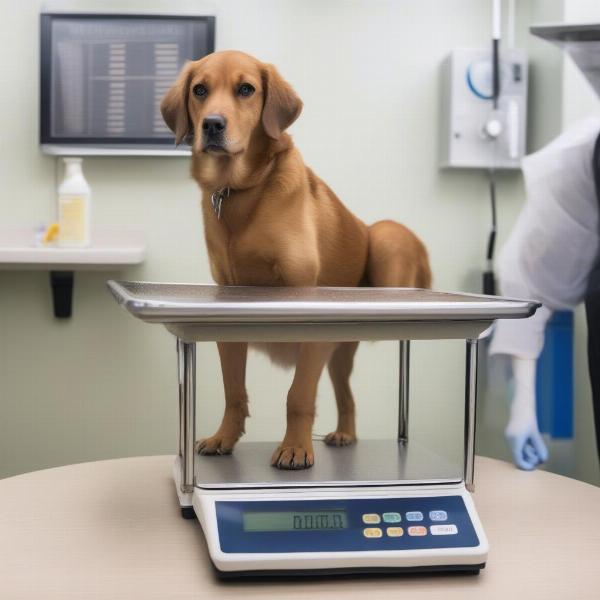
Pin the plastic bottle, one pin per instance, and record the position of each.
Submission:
(74, 206)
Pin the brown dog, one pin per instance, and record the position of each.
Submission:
(269, 220)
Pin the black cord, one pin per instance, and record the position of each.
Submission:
(495, 72)
(492, 237)
(489, 282)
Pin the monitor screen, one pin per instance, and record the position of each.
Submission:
(103, 76)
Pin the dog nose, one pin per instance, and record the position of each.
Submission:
(213, 124)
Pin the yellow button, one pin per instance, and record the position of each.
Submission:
(371, 518)
(395, 531)
(372, 532)
(417, 530)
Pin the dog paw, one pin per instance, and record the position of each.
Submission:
(214, 445)
(339, 438)
(292, 458)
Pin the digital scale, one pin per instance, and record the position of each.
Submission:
(375, 506)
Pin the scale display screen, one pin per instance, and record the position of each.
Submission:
(295, 521)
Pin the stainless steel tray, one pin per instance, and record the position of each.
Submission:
(368, 462)
(211, 312)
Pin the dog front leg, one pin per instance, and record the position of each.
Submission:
(340, 369)
(296, 450)
(233, 365)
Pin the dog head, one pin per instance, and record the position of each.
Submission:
(220, 102)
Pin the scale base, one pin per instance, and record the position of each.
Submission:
(243, 481)
(452, 540)
(352, 572)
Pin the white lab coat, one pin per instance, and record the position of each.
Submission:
(555, 242)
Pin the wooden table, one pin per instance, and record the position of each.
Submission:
(112, 530)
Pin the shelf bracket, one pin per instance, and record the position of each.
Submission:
(61, 283)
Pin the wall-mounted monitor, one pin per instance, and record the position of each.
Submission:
(103, 77)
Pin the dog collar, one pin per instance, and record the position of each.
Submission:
(216, 200)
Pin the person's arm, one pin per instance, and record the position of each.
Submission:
(523, 342)
(522, 432)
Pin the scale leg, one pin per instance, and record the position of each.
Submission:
(186, 354)
(179, 350)
(403, 392)
(470, 413)
(188, 512)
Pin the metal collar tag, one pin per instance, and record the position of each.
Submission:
(217, 200)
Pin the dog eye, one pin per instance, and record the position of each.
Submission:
(200, 90)
(245, 90)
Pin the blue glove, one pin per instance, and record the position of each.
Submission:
(527, 447)
(522, 434)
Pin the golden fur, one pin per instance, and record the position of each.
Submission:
(281, 225)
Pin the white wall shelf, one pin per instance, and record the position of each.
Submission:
(110, 249)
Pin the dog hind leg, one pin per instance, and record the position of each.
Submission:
(397, 257)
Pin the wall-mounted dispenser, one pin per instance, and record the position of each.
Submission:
(474, 134)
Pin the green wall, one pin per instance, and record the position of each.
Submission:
(103, 385)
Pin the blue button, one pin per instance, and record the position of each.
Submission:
(438, 515)
(415, 515)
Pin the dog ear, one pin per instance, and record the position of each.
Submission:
(282, 106)
(174, 107)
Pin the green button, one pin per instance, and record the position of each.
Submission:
(392, 517)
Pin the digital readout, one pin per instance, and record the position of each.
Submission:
(295, 521)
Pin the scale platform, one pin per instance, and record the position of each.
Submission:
(196, 313)
(377, 506)
(367, 463)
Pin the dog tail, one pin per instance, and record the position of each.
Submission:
(397, 257)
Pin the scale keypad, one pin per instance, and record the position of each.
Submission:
(344, 524)
(395, 517)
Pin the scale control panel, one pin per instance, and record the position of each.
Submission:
(344, 525)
